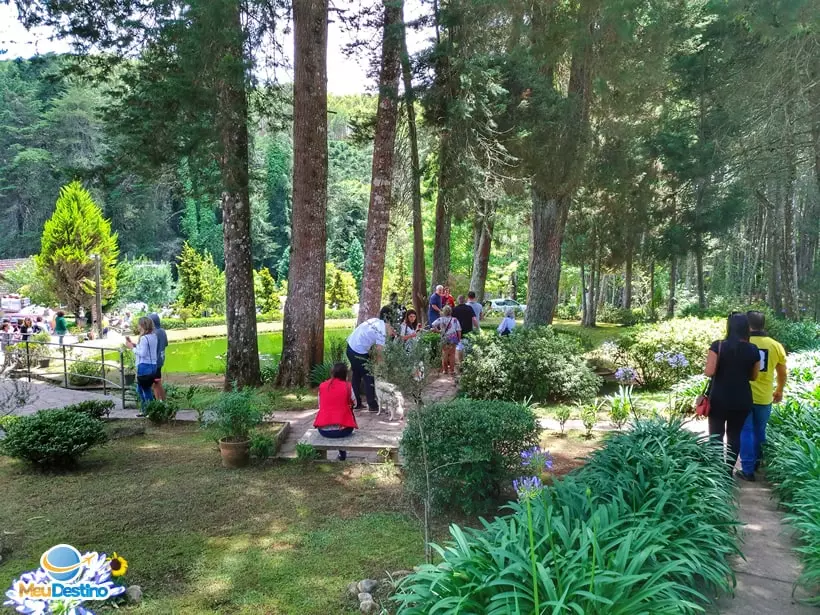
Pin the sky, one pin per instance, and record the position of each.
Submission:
(346, 75)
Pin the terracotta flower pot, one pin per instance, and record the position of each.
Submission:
(235, 452)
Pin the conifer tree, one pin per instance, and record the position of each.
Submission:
(74, 232)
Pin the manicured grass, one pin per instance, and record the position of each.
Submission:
(269, 398)
(281, 538)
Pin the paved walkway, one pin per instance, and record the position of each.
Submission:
(765, 579)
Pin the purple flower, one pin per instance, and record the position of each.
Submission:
(527, 487)
(536, 459)
(625, 375)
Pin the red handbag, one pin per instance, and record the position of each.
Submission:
(703, 404)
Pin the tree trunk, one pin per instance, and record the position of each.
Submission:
(627, 299)
(652, 315)
(549, 218)
(444, 219)
(242, 365)
(419, 275)
(773, 297)
(791, 293)
(673, 282)
(378, 215)
(485, 221)
(303, 335)
(583, 293)
(701, 283)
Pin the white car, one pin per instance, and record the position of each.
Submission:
(502, 305)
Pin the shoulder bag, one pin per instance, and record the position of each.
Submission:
(703, 404)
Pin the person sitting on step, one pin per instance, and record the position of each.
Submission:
(335, 418)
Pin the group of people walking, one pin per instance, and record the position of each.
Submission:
(748, 373)
(149, 353)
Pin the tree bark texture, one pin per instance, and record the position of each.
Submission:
(485, 221)
(627, 297)
(549, 219)
(552, 192)
(419, 275)
(444, 218)
(701, 282)
(673, 283)
(242, 366)
(303, 335)
(791, 293)
(381, 185)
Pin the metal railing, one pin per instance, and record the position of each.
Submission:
(21, 357)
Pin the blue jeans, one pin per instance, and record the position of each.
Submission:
(753, 436)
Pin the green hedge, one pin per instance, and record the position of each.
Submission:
(215, 321)
(53, 439)
(530, 364)
(473, 450)
(646, 526)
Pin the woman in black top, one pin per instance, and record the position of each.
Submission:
(732, 364)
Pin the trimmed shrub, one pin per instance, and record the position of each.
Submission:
(667, 352)
(84, 373)
(95, 408)
(158, 411)
(53, 438)
(473, 450)
(645, 526)
(536, 364)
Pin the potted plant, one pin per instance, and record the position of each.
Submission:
(233, 416)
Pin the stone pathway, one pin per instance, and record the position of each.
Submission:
(765, 579)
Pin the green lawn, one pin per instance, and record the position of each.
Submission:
(283, 538)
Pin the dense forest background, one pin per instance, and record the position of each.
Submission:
(689, 183)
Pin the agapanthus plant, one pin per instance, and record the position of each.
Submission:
(626, 375)
(97, 570)
(537, 460)
(527, 487)
(672, 359)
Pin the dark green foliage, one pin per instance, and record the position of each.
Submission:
(795, 336)
(84, 373)
(646, 526)
(235, 413)
(95, 408)
(793, 465)
(536, 364)
(262, 446)
(143, 280)
(355, 261)
(52, 439)
(320, 372)
(158, 411)
(473, 450)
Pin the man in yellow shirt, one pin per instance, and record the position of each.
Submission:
(764, 393)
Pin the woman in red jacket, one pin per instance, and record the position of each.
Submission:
(336, 399)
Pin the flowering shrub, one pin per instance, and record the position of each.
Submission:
(668, 352)
(537, 364)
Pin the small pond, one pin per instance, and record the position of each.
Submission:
(208, 355)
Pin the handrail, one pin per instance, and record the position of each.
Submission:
(12, 351)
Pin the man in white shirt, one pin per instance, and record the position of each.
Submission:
(370, 333)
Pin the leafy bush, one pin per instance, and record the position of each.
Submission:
(7, 421)
(158, 411)
(795, 336)
(566, 311)
(268, 370)
(670, 351)
(618, 316)
(535, 364)
(52, 438)
(306, 452)
(473, 449)
(793, 464)
(82, 373)
(563, 413)
(589, 416)
(262, 446)
(235, 414)
(609, 539)
(683, 396)
(95, 408)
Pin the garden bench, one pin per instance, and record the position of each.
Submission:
(362, 441)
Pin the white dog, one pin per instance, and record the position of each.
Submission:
(390, 400)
